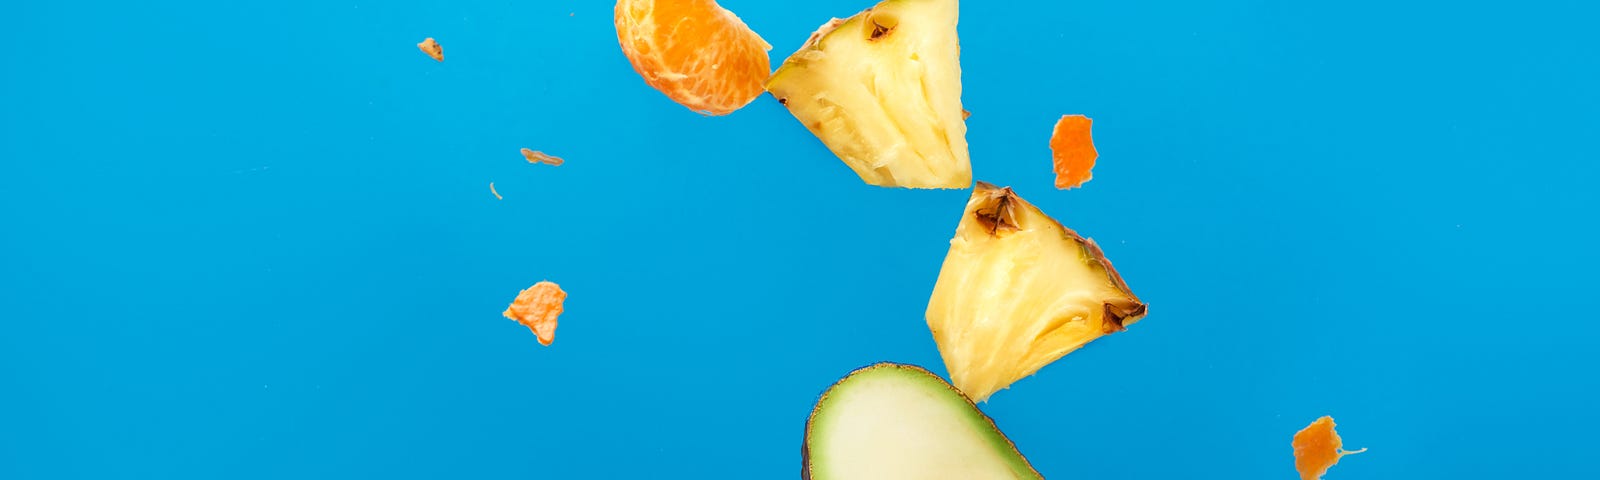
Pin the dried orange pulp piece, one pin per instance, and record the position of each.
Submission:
(537, 157)
(698, 53)
(432, 48)
(1072, 145)
(537, 308)
(1317, 448)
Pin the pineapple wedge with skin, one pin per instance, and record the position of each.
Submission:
(882, 90)
(1018, 291)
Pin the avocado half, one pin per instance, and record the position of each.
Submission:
(901, 422)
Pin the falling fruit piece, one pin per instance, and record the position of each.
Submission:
(891, 422)
(1318, 448)
(496, 193)
(694, 51)
(537, 157)
(882, 90)
(1072, 145)
(432, 48)
(537, 308)
(1018, 291)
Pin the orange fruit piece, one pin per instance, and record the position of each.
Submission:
(1072, 145)
(432, 48)
(1318, 448)
(537, 308)
(698, 53)
(537, 157)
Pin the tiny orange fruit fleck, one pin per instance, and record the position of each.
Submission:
(537, 157)
(537, 308)
(694, 51)
(1072, 145)
(1318, 448)
(432, 48)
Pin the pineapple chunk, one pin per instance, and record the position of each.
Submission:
(882, 90)
(1018, 291)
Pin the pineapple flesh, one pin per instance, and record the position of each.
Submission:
(882, 90)
(1018, 291)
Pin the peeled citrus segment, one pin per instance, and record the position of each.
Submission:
(1072, 145)
(432, 48)
(1318, 448)
(537, 308)
(694, 51)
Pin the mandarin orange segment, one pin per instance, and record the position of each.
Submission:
(537, 308)
(1072, 145)
(694, 51)
(1318, 448)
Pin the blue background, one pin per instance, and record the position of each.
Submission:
(257, 241)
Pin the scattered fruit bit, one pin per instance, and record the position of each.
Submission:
(1018, 291)
(1318, 448)
(882, 90)
(432, 48)
(1072, 145)
(496, 194)
(537, 308)
(891, 421)
(694, 51)
(965, 114)
(537, 157)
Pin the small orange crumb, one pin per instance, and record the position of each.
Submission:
(541, 157)
(1072, 145)
(537, 308)
(965, 114)
(496, 194)
(432, 48)
(1317, 448)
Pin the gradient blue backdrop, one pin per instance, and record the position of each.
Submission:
(256, 240)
